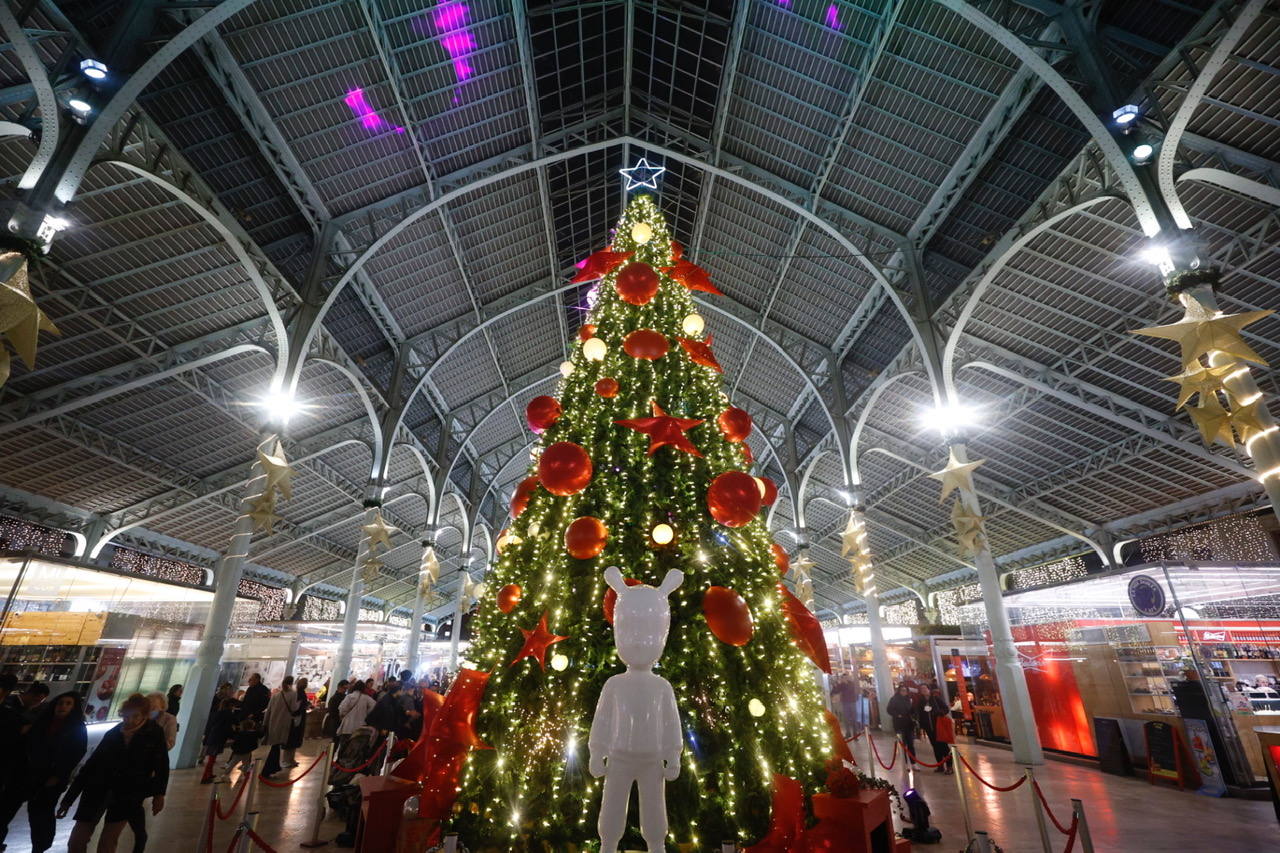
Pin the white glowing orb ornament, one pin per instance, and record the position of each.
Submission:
(559, 662)
(693, 325)
(756, 708)
(662, 534)
(594, 349)
(566, 369)
(642, 233)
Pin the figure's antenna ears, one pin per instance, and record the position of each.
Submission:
(613, 577)
(674, 578)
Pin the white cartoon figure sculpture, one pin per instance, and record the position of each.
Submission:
(635, 734)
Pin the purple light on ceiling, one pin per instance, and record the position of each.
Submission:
(450, 20)
(833, 17)
(367, 114)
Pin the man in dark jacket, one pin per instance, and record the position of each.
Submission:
(903, 712)
(331, 715)
(256, 698)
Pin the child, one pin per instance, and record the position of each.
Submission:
(244, 740)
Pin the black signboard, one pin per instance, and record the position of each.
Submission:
(1162, 750)
(1113, 756)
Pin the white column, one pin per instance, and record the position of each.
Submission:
(202, 680)
(1016, 699)
(879, 659)
(415, 623)
(456, 635)
(355, 594)
(291, 662)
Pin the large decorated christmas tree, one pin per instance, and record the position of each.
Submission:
(642, 464)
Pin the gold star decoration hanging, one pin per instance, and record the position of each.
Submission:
(372, 567)
(1213, 421)
(1200, 380)
(277, 471)
(21, 320)
(1247, 419)
(378, 532)
(852, 536)
(428, 571)
(472, 590)
(969, 527)
(957, 475)
(1200, 332)
(262, 511)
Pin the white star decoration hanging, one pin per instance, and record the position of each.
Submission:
(642, 174)
(957, 475)
(378, 532)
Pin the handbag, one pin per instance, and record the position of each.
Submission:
(944, 730)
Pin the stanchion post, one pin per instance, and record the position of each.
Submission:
(208, 815)
(386, 756)
(249, 818)
(318, 816)
(871, 756)
(964, 798)
(1082, 826)
(981, 844)
(1041, 824)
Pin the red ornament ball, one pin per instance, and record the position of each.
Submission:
(770, 491)
(564, 468)
(728, 616)
(586, 537)
(781, 559)
(637, 283)
(607, 387)
(734, 423)
(645, 343)
(733, 498)
(509, 597)
(586, 330)
(523, 492)
(541, 413)
(611, 599)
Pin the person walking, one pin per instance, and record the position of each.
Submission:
(332, 716)
(217, 733)
(297, 725)
(939, 728)
(256, 697)
(175, 699)
(54, 746)
(902, 711)
(278, 720)
(130, 765)
(353, 712)
(245, 738)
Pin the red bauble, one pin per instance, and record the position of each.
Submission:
(509, 597)
(637, 283)
(770, 492)
(733, 498)
(607, 387)
(645, 343)
(586, 330)
(781, 559)
(523, 492)
(585, 537)
(611, 599)
(734, 423)
(564, 468)
(541, 413)
(728, 616)
(806, 630)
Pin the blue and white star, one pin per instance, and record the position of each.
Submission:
(642, 174)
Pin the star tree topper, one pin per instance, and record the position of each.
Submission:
(663, 429)
(536, 643)
(957, 475)
(642, 174)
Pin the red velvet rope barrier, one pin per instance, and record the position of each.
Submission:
(235, 839)
(855, 737)
(1071, 836)
(257, 839)
(1044, 802)
(912, 756)
(208, 839)
(242, 785)
(376, 753)
(969, 767)
(879, 760)
(286, 783)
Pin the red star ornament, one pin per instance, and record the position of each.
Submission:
(663, 429)
(700, 353)
(599, 265)
(692, 276)
(536, 643)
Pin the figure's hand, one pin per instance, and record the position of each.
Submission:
(596, 766)
(672, 769)
(63, 808)
(157, 805)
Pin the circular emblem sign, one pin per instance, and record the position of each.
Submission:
(1146, 595)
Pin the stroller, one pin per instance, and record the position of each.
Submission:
(344, 795)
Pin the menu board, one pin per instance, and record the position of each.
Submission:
(1113, 757)
(1162, 750)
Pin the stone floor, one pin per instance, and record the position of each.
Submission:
(1125, 815)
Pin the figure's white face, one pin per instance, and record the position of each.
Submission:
(640, 623)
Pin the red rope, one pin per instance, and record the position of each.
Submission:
(241, 786)
(257, 839)
(235, 839)
(855, 737)
(1071, 836)
(286, 783)
(208, 841)
(1044, 802)
(879, 760)
(969, 767)
(376, 753)
(912, 756)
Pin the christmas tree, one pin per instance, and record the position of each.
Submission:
(643, 465)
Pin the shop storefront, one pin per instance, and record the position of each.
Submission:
(101, 632)
(1192, 646)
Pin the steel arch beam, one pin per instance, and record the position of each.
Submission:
(881, 385)
(45, 98)
(1233, 182)
(375, 423)
(1191, 102)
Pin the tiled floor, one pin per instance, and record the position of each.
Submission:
(1126, 815)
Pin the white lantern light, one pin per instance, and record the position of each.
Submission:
(756, 708)
(566, 369)
(559, 662)
(693, 325)
(594, 349)
(662, 534)
(641, 232)
(761, 486)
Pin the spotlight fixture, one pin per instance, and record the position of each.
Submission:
(93, 69)
(1142, 152)
(1126, 115)
(1157, 254)
(950, 417)
(280, 406)
(845, 495)
(79, 106)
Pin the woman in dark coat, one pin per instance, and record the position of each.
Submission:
(55, 744)
(219, 730)
(933, 707)
(129, 765)
(298, 725)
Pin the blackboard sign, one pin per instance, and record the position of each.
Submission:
(1113, 757)
(1162, 751)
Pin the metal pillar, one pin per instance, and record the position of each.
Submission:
(415, 621)
(355, 594)
(202, 680)
(455, 635)
(879, 658)
(1012, 680)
